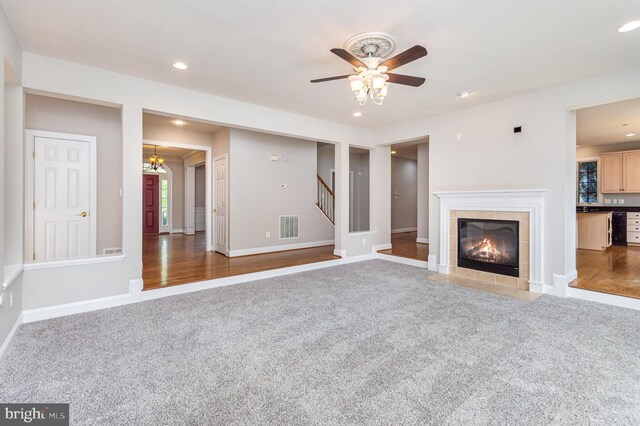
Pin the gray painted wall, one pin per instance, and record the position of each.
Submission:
(359, 164)
(326, 161)
(257, 199)
(594, 151)
(59, 115)
(200, 186)
(423, 192)
(404, 193)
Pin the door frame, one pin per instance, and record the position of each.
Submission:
(29, 184)
(208, 152)
(169, 176)
(226, 181)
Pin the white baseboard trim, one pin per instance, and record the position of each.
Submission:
(136, 286)
(271, 249)
(433, 263)
(375, 248)
(422, 240)
(247, 278)
(9, 338)
(403, 260)
(341, 253)
(177, 231)
(401, 230)
(609, 299)
(561, 283)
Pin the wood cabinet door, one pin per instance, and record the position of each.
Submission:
(611, 173)
(631, 171)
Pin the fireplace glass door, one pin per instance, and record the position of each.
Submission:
(489, 245)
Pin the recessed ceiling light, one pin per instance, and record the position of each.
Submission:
(179, 122)
(357, 114)
(393, 152)
(629, 26)
(180, 65)
(621, 125)
(630, 135)
(465, 93)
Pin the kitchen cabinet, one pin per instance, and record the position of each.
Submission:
(620, 172)
(594, 230)
(611, 173)
(633, 229)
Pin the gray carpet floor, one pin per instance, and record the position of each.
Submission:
(373, 342)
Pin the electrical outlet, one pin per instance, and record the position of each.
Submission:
(364, 241)
(621, 201)
(267, 234)
(284, 157)
(615, 201)
(607, 201)
(10, 300)
(273, 158)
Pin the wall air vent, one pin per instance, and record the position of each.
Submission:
(289, 227)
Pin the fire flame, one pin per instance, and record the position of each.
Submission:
(484, 250)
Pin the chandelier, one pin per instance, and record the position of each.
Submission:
(155, 162)
(370, 83)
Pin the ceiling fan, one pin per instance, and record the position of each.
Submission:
(366, 53)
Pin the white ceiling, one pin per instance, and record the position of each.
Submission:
(599, 125)
(265, 52)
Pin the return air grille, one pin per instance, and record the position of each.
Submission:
(289, 227)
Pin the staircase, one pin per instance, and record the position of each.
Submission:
(326, 201)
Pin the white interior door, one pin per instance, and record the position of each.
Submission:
(220, 209)
(63, 213)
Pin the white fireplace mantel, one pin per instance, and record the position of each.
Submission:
(528, 200)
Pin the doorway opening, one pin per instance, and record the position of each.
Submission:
(410, 200)
(276, 219)
(608, 198)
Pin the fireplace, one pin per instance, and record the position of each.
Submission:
(489, 245)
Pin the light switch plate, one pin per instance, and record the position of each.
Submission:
(607, 201)
(621, 201)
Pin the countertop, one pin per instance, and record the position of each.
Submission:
(605, 209)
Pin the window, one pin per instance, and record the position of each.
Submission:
(588, 182)
(164, 202)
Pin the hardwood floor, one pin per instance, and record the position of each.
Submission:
(615, 270)
(404, 245)
(172, 259)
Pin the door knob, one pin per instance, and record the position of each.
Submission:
(83, 214)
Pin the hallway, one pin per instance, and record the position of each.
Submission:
(173, 259)
(404, 245)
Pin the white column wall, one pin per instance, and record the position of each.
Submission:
(342, 198)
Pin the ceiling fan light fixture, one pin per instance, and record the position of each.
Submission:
(356, 83)
(379, 80)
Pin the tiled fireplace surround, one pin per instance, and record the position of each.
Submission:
(525, 206)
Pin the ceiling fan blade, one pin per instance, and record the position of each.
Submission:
(338, 77)
(348, 57)
(407, 80)
(409, 55)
